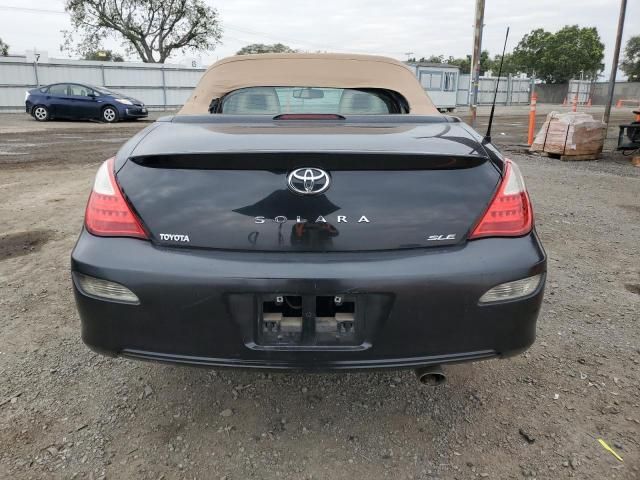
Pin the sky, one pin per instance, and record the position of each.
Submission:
(382, 27)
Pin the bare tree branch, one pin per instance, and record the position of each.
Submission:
(150, 28)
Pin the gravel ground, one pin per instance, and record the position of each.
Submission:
(66, 412)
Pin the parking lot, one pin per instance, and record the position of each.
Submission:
(66, 412)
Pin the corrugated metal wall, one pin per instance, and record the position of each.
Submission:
(157, 85)
(169, 86)
(464, 83)
(579, 90)
(511, 90)
(597, 92)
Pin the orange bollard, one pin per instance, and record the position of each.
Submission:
(574, 107)
(589, 102)
(532, 118)
(619, 104)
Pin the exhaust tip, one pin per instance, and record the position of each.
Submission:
(431, 376)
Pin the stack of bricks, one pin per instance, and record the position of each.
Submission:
(571, 136)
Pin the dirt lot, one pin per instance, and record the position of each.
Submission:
(66, 412)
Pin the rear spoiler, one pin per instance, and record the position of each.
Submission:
(334, 161)
(393, 119)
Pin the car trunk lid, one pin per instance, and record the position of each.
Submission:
(209, 188)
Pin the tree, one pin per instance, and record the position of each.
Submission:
(265, 48)
(528, 54)
(152, 29)
(558, 57)
(508, 66)
(465, 63)
(104, 56)
(4, 48)
(631, 63)
(432, 59)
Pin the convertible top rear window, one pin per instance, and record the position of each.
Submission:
(278, 100)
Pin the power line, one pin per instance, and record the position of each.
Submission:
(291, 40)
(225, 26)
(34, 10)
(231, 26)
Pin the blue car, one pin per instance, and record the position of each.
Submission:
(76, 101)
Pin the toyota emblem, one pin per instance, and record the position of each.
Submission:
(308, 181)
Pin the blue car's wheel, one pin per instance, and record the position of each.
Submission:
(40, 113)
(109, 114)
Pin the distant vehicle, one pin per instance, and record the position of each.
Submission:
(309, 211)
(75, 101)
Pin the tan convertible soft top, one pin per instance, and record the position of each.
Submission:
(308, 69)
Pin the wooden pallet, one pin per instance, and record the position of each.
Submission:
(571, 158)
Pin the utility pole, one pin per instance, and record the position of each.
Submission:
(614, 63)
(475, 60)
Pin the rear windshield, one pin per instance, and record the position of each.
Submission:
(277, 100)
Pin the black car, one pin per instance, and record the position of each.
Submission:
(303, 240)
(78, 102)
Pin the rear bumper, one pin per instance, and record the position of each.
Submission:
(200, 307)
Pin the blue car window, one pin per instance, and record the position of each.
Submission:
(60, 89)
(78, 90)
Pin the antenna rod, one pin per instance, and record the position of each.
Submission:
(487, 137)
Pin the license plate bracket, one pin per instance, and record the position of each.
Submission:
(297, 320)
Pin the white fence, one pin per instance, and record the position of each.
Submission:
(168, 86)
(463, 94)
(157, 85)
(511, 90)
(579, 90)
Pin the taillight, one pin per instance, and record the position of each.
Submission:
(509, 213)
(108, 214)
